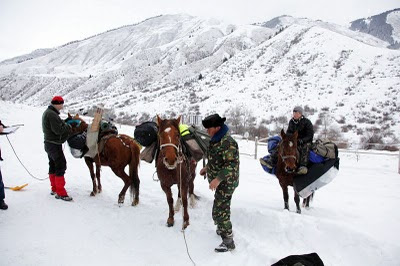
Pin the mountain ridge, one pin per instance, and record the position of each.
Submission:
(179, 64)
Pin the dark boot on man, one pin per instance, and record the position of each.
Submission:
(3, 205)
(227, 244)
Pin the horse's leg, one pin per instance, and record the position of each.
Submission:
(89, 163)
(170, 200)
(285, 196)
(127, 181)
(192, 196)
(184, 194)
(306, 202)
(178, 201)
(297, 200)
(133, 173)
(98, 168)
(136, 185)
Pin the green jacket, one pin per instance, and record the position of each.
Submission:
(55, 130)
(223, 158)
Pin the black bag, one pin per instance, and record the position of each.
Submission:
(311, 259)
(77, 144)
(146, 133)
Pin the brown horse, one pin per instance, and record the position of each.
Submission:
(118, 152)
(173, 167)
(286, 168)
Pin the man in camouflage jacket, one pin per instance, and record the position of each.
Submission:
(223, 175)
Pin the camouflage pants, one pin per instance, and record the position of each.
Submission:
(221, 211)
(303, 153)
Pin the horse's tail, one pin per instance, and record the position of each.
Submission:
(133, 168)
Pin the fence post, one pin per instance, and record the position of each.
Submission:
(255, 149)
(399, 161)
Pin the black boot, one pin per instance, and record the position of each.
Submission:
(3, 205)
(227, 244)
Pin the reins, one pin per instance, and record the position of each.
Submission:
(180, 159)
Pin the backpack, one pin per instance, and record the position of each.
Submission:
(273, 143)
(146, 133)
(325, 148)
(196, 141)
(266, 168)
(107, 128)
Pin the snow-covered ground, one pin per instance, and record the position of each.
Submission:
(353, 221)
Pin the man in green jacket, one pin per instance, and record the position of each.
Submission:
(223, 175)
(56, 131)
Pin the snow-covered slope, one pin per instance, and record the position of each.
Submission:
(385, 26)
(178, 64)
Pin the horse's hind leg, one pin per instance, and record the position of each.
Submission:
(98, 168)
(184, 194)
(297, 200)
(170, 200)
(192, 196)
(89, 163)
(178, 201)
(127, 182)
(285, 196)
(306, 201)
(136, 184)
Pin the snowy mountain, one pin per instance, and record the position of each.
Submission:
(385, 26)
(179, 64)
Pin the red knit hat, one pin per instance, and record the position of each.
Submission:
(57, 100)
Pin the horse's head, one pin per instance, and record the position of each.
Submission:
(169, 140)
(288, 151)
(77, 127)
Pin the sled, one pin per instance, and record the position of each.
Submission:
(16, 188)
(9, 130)
(319, 175)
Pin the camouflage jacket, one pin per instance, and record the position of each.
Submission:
(223, 158)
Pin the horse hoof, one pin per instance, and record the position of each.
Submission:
(135, 202)
(298, 211)
(92, 194)
(170, 222)
(185, 224)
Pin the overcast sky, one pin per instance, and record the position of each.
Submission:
(26, 25)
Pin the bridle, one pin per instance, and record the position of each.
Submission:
(285, 157)
(179, 153)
